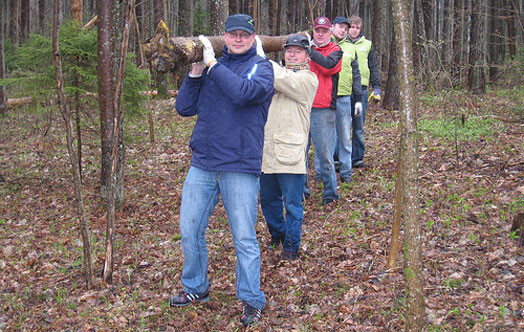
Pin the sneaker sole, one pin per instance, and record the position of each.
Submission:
(204, 300)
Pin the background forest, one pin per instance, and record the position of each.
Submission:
(100, 159)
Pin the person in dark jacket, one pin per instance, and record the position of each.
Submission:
(367, 63)
(326, 63)
(231, 99)
(349, 87)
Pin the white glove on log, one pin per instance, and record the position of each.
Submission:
(208, 52)
(260, 49)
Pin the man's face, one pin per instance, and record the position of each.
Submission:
(238, 41)
(354, 30)
(321, 35)
(340, 30)
(295, 54)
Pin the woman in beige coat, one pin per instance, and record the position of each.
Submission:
(285, 142)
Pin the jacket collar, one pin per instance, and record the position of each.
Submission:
(239, 57)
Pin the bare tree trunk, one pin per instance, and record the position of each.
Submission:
(158, 77)
(476, 70)
(158, 11)
(41, 16)
(15, 22)
(397, 214)
(3, 97)
(76, 11)
(410, 188)
(496, 33)
(510, 26)
(70, 148)
(391, 97)
(185, 17)
(273, 17)
(377, 29)
(105, 101)
(24, 19)
(219, 12)
(113, 101)
(233, 7)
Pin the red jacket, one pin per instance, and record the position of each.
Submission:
(326, 63)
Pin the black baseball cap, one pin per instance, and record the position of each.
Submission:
(341, 19)
(297, 40)
(240, 22)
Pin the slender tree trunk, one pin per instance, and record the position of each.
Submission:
(15, 22)
(158, 11)
(476, 71)
(510, 26)
(41, 16)
(76, 11)
(105, 101)
(185, 17)
(24, 19)
(219, 10)
(410, 188)
(391, 97)
(377, 29)
(233, 7)
(159, 78)
(397, 214)
(495, 31)
(3, 97)
(70, 148)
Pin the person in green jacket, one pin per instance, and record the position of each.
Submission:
(349, 93)
(370, 78)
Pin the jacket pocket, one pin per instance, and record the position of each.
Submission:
(290, 147)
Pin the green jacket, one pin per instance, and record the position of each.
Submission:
(367, 62)
(349, 77)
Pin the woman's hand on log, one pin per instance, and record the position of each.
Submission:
(208, 52)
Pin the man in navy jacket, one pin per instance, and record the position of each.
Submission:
(231, 99)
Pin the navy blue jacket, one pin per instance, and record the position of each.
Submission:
(231, 101)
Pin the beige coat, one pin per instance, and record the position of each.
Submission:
(287, 127)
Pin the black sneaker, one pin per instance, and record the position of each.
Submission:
(250, 315)
(289, 255)
(359, 164)
(183, 299)
(328, 201)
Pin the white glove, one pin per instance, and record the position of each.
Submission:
(358, 109)
(208, 52)
(260, 49)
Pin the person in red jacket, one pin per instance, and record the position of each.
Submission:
(326, 63)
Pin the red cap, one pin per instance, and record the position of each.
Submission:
(321, 22)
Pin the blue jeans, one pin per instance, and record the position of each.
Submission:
(239, 192)
(343, 123)
(279, 192)
(324, 137)
(358, 129)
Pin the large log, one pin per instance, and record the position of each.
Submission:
(165, 54)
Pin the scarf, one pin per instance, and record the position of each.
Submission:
(297, 66)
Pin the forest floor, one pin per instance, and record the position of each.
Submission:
(471, 186)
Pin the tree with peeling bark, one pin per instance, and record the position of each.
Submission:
(414, 320)
(110, 90)
(62, 104)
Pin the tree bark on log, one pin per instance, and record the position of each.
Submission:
(166, 54)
